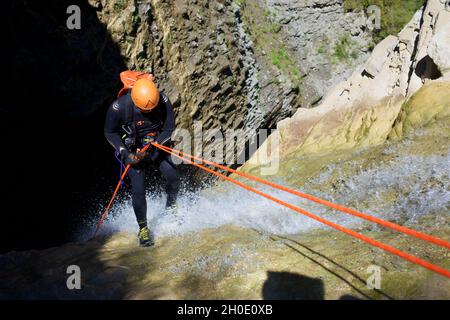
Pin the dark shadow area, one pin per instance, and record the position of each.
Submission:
(43, 275)
(349, 297)
(362, 282)
(59, 82)
(427, 69)
(58, 171)
(292, 286)
(340, 266)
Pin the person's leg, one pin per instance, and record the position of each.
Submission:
(137, 177)
(169, 171)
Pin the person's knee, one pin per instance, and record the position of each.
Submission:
(169, 171)
(173, 186)
(137, 182)
(172, 183)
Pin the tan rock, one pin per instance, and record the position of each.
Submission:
(221, 263)
(429, 21)
(379, 56)
(439, 47)
(430, 103)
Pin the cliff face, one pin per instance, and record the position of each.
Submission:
(369, 107)
(230, 64)
(200, 55)
(238, 64)
(327, 42)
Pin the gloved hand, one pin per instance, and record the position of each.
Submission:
(134, 158)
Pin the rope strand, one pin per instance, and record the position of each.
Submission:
(350, 232)
(387, 224)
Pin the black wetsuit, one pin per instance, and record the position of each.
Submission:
(160, 122)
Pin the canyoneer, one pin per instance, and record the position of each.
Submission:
(140, 115)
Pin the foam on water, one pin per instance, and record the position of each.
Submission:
(207, 209)
(420, 185)
(409, 187)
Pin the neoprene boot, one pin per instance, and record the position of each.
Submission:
(145, 237)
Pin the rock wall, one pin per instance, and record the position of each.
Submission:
(205, 54)
(327, 42)
(363, 110)
(200, 55)
(209, 58)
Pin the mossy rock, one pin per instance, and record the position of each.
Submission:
(429, 104)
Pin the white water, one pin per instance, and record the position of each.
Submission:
(408, 177)
(402, 190)
(415, 185)
(207, 209)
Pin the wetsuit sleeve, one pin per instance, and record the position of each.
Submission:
(112, 128)
(169, 121)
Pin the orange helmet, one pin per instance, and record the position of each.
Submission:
(145, 95)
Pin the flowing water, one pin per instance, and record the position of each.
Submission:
(406, 186)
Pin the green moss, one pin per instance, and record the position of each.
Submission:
(275, 27)
(343, 50)
(263, 30)
(129, 39)
(239, 2)
(119, 5)
(321, 49)
(395, 14)
(136, 19)
(278, 57)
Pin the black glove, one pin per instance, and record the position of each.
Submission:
(134, 158)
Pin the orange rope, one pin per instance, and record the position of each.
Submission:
(115, 193)
(350, 232)
(379, 221)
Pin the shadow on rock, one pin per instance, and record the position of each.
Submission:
(345, 275)
(348, 297)
(292, 286)
(109, 269)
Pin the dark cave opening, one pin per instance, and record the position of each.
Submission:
(427, 69)
(59, 84)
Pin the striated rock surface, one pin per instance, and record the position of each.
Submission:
(201, 56)
(238, 64)
(230, 64)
